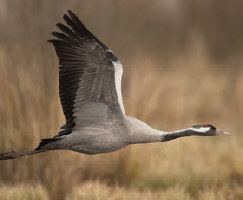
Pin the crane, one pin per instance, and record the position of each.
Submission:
(90, 93)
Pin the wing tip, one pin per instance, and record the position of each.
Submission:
(70, 12)
(52, 40)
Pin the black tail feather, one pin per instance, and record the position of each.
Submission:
(46, 141)
(13, 154)
(39, 149)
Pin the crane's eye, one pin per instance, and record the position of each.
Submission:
(210, 126)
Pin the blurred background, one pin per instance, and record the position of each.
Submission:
(183, 65)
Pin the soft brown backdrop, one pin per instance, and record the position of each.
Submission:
(182, 63)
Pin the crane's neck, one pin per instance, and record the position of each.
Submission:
(148, 135)
(167, 136)
(139, 132)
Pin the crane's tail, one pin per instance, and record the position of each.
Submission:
(13, 154)
(41, 148)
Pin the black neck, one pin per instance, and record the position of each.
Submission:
(173, 135)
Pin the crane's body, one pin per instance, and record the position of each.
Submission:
(119, 135)
(90, 92)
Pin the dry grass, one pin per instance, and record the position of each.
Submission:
(21, 192)
(189, 89)
(95, 190)
(98, 191)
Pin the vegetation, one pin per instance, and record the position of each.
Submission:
(192, 74)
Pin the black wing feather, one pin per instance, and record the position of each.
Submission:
(71, 47)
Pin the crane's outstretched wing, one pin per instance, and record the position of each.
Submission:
(89, 77)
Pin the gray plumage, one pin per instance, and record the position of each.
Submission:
(90, 93)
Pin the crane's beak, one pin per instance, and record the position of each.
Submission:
(219, 132)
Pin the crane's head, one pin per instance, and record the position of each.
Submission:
(200, 130)
(207, 130)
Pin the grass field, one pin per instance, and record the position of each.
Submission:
(187, 88)
(187, 168)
